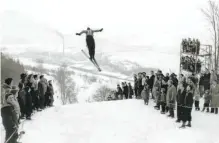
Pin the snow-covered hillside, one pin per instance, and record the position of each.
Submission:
(128, 121)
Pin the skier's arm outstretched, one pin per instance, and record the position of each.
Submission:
(83, 31)
(100, 30)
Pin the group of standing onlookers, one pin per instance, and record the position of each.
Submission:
(19, 102)
(190, 46)
(190, 60)
(170, 93)
(189, 63)
(125, 91)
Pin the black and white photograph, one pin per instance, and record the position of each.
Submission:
(109, 71)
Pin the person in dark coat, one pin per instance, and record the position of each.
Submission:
(130, 91)
(28, 99)
(51, 93)
(47, 95)
(42, 87)
(90, 41)
(23, 78)
(151, 82)
(174, 79)
(135, 85)
(167, 77)
(201, 85)
(181, 93)
(206, 78)
(125, 92)
(35, 94)
(118, 92)
(139, 85)
(163, 100)
(187, 107)
(22, 100)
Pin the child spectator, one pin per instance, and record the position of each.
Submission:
(197, 98)
(207, 100)
(145, 94)
(163, 100)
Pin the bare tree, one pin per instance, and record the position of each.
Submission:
(66, 84)
(102, 93)
(212, 15)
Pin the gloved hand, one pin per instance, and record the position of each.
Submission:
(16, 127)
(101, 29)
(78, 34)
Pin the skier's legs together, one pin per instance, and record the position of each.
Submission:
(91, 46)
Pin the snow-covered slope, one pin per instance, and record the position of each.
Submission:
(127, 121)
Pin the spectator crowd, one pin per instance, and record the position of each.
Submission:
(188, 63)
(191, 46)
(18, 103)
(171, 93)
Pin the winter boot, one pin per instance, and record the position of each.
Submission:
(28, 118)
(162, 112)
(189, 124)
(212, 110)
(183, 125)
(216, 111)
(207, 110)
(177, 121)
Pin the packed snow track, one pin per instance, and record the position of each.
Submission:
(126, 121)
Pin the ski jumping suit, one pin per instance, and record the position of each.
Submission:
(90, 43)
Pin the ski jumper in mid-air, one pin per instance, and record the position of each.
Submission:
(91, 45)
(90, 41)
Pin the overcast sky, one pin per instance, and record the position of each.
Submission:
(144, 21)
(160, 24)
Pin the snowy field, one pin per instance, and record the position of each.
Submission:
(128, 121)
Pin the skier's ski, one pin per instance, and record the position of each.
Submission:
(91, 60)
(94, 60)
